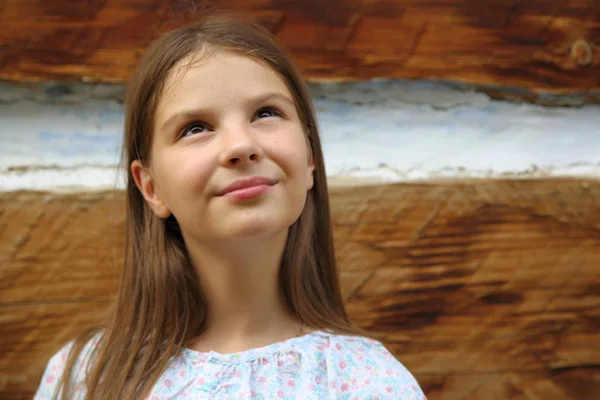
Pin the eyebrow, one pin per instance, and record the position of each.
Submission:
(194, 112)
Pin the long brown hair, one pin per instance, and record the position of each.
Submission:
(159, 306)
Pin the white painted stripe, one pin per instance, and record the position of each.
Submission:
(70, 139)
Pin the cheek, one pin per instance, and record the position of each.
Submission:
(183, 175)
(291, 152)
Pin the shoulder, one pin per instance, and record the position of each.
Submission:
(56, 365)
(52, 374)
(369, 370)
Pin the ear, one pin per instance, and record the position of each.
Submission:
(147, 186)
(310, 171)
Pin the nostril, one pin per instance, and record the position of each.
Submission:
(253, 157)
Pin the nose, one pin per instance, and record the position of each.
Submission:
(240, 147)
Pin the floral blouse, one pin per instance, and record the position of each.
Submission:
(319, 365)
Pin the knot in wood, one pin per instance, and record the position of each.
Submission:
(581, 52)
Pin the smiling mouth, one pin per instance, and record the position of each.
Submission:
(248, 192)
(248, 188)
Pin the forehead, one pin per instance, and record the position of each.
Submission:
(219, 79)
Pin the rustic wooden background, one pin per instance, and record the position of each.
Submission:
(533, 46)
(485, 290)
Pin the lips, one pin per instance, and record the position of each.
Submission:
(247, 183)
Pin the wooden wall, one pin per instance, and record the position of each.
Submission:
(484, 289)
(535, 46)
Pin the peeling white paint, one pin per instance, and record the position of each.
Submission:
(69, 138)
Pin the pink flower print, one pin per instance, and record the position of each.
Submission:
(50, 378)
(332, 384)
(280, 394)
(389, 371)
(237, 374)
(367, 382)
(291, 383)
(279, 363)
(388, 389)
(338, 346)
(200, 381)
(262, 379)
(368, 367)
(311, 387)
(252, 393)
(318, 380)
(264, 361)
(361, 358)
(182, 373)
(343, 365)
(321, 348)
(345, 387)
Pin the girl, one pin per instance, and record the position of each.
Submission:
(230, 286)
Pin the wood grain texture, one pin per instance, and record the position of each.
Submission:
(483, 289)
(31, 333)
(537, 45)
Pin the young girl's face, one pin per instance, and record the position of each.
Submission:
(227, 122)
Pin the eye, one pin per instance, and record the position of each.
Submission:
(266, 113)
(194, 128)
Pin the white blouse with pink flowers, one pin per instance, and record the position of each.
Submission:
(319, 365)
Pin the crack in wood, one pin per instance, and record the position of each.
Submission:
(512, 11)
(279, 24)
(416, 42)
(354, 29)
(354, 291)
(433, 217)
(23, 237)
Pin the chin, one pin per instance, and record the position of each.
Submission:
(256, 230)
(258, 226)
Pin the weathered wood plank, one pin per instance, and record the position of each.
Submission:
(580, 384)
(539, 45)
(69, 244)
(31, 333)
(484, 289)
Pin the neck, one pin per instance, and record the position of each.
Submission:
(241, 282)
